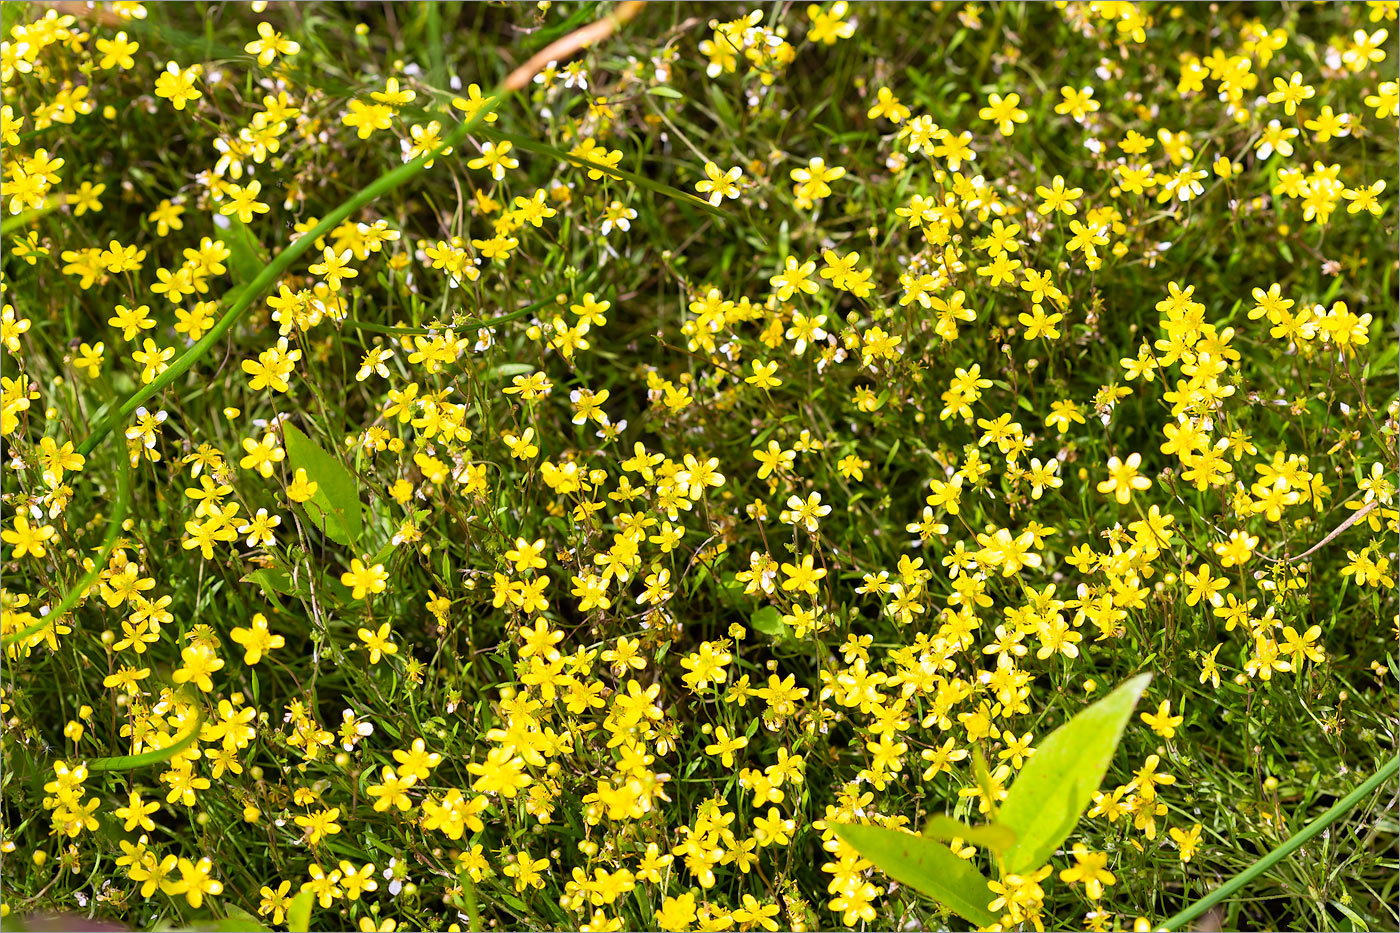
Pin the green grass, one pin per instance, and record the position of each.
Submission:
(1255, 761)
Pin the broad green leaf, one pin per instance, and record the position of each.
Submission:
(992, 836)
(925, 865)
(336, 505)
(769, 621)
(245, 254)
(662, 90)
(506, 370)
(299, 914)
(1058, 782)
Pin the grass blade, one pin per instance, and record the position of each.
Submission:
(1372, 784)
(17, 222)
(153, 757)
(641, 181)
(269, 275)
(109, 544)
(992, 836)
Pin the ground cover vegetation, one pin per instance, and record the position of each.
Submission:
(550, 466)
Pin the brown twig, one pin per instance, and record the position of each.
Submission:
(580, 38)
(1351, 520)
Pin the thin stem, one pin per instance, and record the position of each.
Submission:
(109, 543)
(471, 326)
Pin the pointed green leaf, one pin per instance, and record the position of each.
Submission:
(925, 865)
(245, 253)
(1383, 359)
(992, 836)
(336, 505)
(1058, 782)
(507, 370)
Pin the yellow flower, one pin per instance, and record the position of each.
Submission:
(364, 580)
(270, 44)
(1188, 841)
(256, 640)
(1163, 722)
(1124, 479)
(719, 184)
(319, 824)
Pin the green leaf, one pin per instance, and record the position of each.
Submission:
(1058, 782)
(662, 90)
(274, 580)
(336, 505)
(507, 370)
(238, 921)
(384, 554)
(925, 865)
(769, 621)
(992, 836)
(15, 222)
(299, 914)
(437, 64)
(1382, 360)
(245, 253)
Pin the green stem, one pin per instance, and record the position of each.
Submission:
(990, 43)
(273, 270)
(1334, 813)
(473, 911)
(109, 543)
